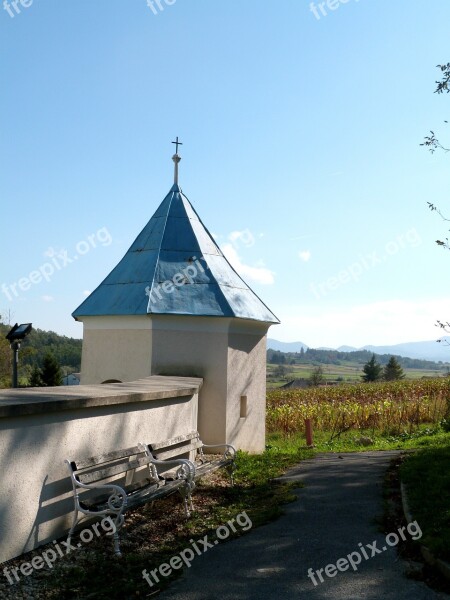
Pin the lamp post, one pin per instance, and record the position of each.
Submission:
(15, 337)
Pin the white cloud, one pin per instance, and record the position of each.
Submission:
(47, 298)
(259, 274)
(86, 293)
(304, 255)
(245, 237)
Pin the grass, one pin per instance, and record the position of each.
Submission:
(426, 475)
(351, 441)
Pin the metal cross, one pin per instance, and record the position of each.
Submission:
(177, 143)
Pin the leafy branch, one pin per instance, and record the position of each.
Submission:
(445, 244)
(431, 141)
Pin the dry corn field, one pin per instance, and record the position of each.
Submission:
(390, 407)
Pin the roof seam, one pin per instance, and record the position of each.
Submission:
(159, 250)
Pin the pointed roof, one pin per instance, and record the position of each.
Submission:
(174, 267)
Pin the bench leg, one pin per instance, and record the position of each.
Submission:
(118, 522)
(186, 495)
(231, 468)
(72, 529)
(117, 551)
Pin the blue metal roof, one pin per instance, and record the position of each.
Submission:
(174, 267)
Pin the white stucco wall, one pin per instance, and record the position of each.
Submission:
(36, 500)
(228, 353)
(116, 348)
(189, 346)
(246, 377)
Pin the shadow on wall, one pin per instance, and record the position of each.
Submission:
(50, 506)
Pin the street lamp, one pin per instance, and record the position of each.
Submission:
(15, 337)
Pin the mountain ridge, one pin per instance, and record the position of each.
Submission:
(425, 350)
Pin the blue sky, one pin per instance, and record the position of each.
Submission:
(301, 153)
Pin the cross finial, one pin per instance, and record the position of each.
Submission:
(176, 159)
(177, 143)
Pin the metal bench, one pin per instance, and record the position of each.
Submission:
(110, 484)
(192, 446)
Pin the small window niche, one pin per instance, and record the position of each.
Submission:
(243, 413)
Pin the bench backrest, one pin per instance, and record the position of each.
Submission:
(106, 466)
(177, 446)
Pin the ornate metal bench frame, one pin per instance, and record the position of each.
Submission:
(95, 474)
(191, 443)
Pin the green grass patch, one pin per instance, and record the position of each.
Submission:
(426, 474)
(358, 441)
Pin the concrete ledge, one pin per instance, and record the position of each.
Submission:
(32, 401)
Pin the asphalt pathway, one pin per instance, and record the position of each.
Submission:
(335, 511)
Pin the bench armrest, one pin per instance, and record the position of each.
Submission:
(117, 501)
(229, 449)
(186, 467)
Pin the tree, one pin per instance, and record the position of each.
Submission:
(51, 371)
(5, 363)
(35, 377)
(393, 371)
(316, 377)
(280, 371)
(372, 370)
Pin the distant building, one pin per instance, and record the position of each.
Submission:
(71, 379)
(296, 384)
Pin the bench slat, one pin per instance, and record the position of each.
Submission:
(104, 458)
(104, 473)
(165, 454)
(208, 467)
(176, 440)
(147, 493)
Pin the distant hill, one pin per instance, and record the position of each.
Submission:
(423, 350)
(286, 346)
(430, 350)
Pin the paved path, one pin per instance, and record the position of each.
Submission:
(334, 512)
